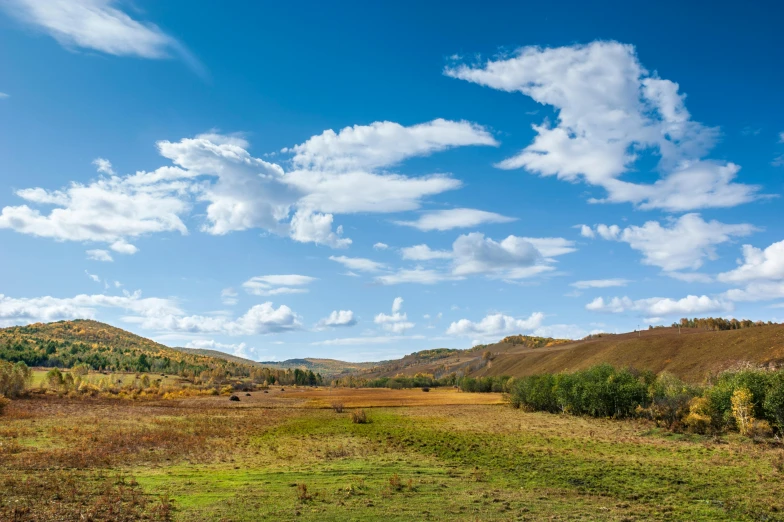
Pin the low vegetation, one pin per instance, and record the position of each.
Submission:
(748, 401)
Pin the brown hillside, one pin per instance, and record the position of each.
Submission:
(693, 354)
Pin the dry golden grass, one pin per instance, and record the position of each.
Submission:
(383, 397)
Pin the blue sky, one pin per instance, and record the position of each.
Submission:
(364, 181)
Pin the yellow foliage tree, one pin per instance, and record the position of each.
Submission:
(743, 410)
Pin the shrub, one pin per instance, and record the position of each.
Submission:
(4, 402)
(698, 420)
(54, 379)
(425, 389)
(774, 401)
(761, 429)
(337, 406)
(359, 417)
(14, 379)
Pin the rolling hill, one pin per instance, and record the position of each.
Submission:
(691, 353)
(327, 367)
(104, 347)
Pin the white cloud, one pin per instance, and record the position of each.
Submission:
(93, 276)
(104, 166)
(123, 247)
(259, 319)
(99, 255)
(4, 95)
(600, 283)
(95, 24)
(358, 263)
(106, 211)
(683, 245)
(384, 144)
(229, 296)
(690, 277)
(417, 275)
(762, 271)
(380, 246)
(358, 341)
(758, 264)
(243, 192)
(424, 253)
(312, 227)
(475, 254)
(609, 110)
(338, 318)
(397, 322)
(660, 306)
(586, 231)
(455, 218)
(277, 284)
(495, 325)
(45, 309)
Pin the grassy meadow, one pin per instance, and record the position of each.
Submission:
(442, 455)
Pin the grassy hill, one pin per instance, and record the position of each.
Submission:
(691, 353)
(103, 347)
(219, 355)
(331, 367)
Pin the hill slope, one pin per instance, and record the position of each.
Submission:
(331, 367)
(102, 347)
(693, 354)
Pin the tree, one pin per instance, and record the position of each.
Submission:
(743, 410)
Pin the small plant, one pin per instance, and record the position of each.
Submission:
(302, 493)
(395, 483)
(337, 406)
(425, 388)
(359, 417)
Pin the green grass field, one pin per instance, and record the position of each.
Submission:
(283, 456)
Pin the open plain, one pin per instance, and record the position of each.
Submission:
(442, 455)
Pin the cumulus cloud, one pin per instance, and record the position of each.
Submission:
(758, 264)
(338, 318)
(397, 322)
(600, 283)
(683, 245)
(609, 110)
(474, 254)
(455, 218)
(104, 165)
(423, 253)
(44, 309)
(243, 192)
(384, 144)
(99, 255)
(259, 319)
(277, 284)
(495, 325)
(312, 227)
(761, 271)
(660, 306)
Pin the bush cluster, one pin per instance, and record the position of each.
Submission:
(14, 379)
(749, 401)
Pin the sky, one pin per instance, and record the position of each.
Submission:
(363, 180)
